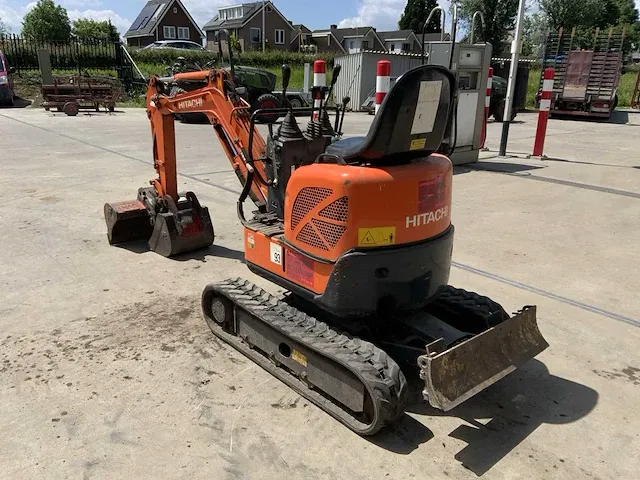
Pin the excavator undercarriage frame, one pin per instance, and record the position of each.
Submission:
(350, 362)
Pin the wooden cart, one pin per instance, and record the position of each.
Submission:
(75, 93)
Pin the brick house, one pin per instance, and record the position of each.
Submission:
(347, 40)
(245, 22)
(301, 37)
(401, 41)
(163, 20)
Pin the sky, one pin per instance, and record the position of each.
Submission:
(382, 14)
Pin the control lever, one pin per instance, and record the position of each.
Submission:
(345, 102)
(334, 79)
(286, 76)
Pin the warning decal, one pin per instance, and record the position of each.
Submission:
(426, 107)
(299, 357)
(251, 240)
(431, 194)
(299, 268)
(418, 144)
(376, 236)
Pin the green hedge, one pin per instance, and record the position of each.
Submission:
(168, 56)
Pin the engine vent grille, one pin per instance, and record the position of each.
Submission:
(306, 201)
(330, 231)
(337, 210)
(309, 236)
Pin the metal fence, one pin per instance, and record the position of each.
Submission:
(78, 54)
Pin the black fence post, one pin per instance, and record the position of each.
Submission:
(77, 42)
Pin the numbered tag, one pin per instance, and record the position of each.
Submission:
(276, 253)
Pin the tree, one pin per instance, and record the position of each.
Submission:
(416, 13)
(499, 17)
(534, 31)
(583, 14)
(628, 13)
(88, 28)
(587, 15)
(4, 30)
(234, 43)
(47, 21)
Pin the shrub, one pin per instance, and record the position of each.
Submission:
(272, 59)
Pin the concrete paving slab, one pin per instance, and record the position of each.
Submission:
(107, 369)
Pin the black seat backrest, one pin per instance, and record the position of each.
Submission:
(413, 117)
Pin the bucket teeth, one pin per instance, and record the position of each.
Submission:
(127, 221)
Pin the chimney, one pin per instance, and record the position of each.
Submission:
(334, 27)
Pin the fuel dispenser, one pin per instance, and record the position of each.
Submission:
(470, 62)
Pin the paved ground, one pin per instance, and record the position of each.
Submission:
(108, 370)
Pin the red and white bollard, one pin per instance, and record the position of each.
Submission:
(487, 105)
(383, 82)
(319, 80)
(545, 107)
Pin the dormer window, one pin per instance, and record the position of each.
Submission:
(231, 13)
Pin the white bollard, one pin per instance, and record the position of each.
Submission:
(319, 80)
(383, 82)
(307, 77)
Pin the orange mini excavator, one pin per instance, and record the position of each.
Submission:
(357, 230)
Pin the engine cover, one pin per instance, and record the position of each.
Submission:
(331, 209)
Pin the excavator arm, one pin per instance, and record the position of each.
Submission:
(228, 113)
(175, 222)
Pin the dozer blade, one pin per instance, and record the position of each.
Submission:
(183, 229)
(453, 375)
(127, 221)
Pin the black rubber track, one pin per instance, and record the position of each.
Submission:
(383, 380)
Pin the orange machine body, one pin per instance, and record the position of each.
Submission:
(332, 209)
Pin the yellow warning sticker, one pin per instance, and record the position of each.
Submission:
(376, 236)
(418, 144)
(299, 357)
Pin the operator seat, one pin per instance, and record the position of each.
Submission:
(411, 122)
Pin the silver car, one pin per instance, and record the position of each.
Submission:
(181, 44)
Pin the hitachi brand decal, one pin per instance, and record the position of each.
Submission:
(197, 102)
(427, 218)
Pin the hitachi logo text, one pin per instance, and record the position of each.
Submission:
(190, 103)
(427, 218)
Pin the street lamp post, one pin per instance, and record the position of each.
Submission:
(516, 47)
(263, 25)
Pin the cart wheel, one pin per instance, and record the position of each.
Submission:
(71, 109)
(46, 109)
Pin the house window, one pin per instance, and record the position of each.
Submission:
(279, 37)
(352, 44)
(393, 47)
(365, 44)
(255, 35)
(169, 32)
(183, 33)
(406, 47)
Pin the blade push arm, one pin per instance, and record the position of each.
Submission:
(227, 112)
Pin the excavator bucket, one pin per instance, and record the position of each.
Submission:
(127, 221)
(188, 229)
(453, 375)
(178, 228)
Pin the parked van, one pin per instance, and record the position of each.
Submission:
(7, 94)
